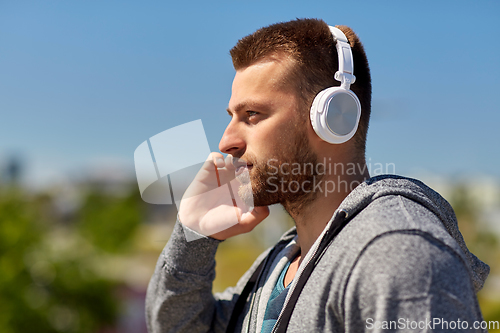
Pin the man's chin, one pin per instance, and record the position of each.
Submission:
(264, 197)
(246, 194)
(252, 198)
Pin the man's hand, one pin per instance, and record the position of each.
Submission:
(212, 206)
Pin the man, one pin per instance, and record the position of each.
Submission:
(366, 253)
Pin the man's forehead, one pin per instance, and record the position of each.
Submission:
(259, 86)
(272, 72)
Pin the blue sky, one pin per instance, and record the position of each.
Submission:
(83, 83)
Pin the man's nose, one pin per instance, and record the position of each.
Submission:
(232, 142)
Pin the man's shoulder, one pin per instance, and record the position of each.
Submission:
(388, 210)
(387, 223)
(392, 221)
(391, 204)
(395, 214)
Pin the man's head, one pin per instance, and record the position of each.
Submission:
(279, 70)
(308, 46)
(266, 131)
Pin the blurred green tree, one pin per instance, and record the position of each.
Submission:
(48, 280)
(110, 221)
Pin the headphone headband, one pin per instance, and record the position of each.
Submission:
(335, 111)
(345, 74)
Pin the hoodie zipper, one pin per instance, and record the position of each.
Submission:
(335, 227)
(287, 300)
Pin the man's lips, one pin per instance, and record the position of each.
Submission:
(242, 167)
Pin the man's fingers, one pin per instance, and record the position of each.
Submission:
(218, 159)
(248, 221)
(229, 162)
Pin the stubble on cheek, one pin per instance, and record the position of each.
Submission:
(271, 178)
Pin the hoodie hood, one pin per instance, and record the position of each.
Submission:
(417, 191)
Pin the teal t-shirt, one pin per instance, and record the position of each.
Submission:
(275, 303)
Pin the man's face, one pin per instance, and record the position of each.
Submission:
(267, 132)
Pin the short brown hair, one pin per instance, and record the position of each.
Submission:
(309, 44)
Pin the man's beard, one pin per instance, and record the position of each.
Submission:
(272, 180)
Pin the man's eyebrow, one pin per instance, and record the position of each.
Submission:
(247, 106)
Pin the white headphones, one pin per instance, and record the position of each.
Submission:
(335, 111)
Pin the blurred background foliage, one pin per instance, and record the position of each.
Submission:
(54, 262)
(77, 257)
(47, 283)
(103, 215)
(482, 240)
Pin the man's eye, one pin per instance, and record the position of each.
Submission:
(252, 113)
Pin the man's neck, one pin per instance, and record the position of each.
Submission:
(312, 218)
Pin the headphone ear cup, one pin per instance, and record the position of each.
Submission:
(335, 114)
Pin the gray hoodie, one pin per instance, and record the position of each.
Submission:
(400, 262)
